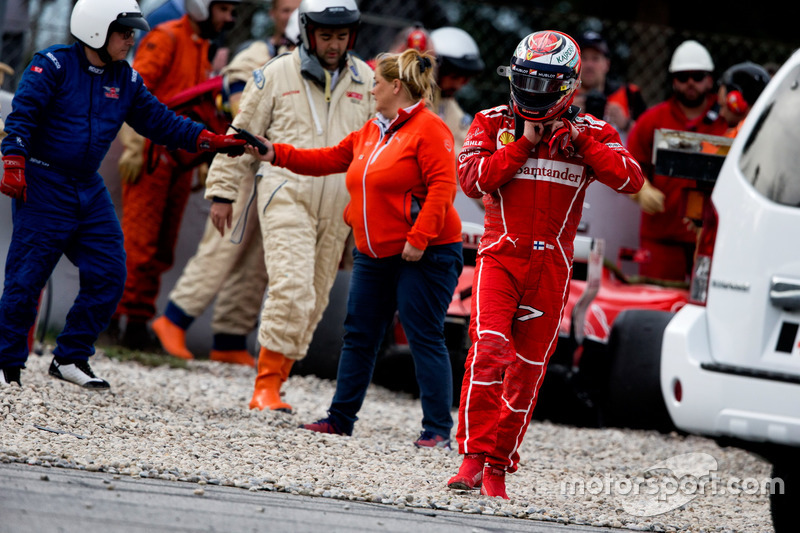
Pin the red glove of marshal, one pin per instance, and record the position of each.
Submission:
(13, 182)
(233, 145)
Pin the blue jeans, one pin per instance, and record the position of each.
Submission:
(421, 293)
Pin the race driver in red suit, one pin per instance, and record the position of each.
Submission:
(531, 162)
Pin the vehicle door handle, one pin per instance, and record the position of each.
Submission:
(785, 293)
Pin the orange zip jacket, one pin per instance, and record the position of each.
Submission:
(172, 58)
(402, 181)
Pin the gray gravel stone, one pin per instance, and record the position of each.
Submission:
(194, 425)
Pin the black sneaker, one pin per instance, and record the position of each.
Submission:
(79, 373)
(9, 376)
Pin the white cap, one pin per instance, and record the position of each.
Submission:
(691, 55)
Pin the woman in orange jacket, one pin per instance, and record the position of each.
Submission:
(401, 176)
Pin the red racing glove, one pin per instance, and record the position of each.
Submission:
(560, 140)
(233, 145)
(13, 182)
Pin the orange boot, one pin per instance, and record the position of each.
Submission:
(235, 357)
(286, 367)
(172, 337)
(267, 393)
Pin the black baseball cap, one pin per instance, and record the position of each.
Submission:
(592, 39)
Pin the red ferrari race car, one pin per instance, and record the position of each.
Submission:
(593, 369)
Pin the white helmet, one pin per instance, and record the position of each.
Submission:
(292, 31)
(91, 19)
(327, 14)
(456, 51)
(200, 10)
(691, 55)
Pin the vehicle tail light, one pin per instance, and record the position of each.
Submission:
(677, 390)
(698, 289)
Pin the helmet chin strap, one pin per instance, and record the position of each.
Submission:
(105, 57)
(102, 52)
(519, 121)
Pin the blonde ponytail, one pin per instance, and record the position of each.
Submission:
(413, 68)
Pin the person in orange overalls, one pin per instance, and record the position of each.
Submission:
(172, 57)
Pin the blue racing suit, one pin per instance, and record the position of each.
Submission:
(66, 113)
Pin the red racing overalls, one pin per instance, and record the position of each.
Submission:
(533, 205)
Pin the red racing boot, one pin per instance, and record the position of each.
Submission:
(469, 474)
(494, 482)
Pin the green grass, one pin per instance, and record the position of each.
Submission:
(119, 353)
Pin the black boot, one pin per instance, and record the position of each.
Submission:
(138, 337)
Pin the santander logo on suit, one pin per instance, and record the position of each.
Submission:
(552, 171)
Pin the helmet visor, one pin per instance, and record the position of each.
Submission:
(133, 20)
(550, 83)
(536, 102)
(332, 17)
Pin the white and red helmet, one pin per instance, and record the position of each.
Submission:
(544, 73)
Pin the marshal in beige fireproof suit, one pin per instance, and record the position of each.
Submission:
(230, 267)
(300, 216)
(456, 119)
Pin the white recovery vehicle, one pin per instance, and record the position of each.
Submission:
(729, 360)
